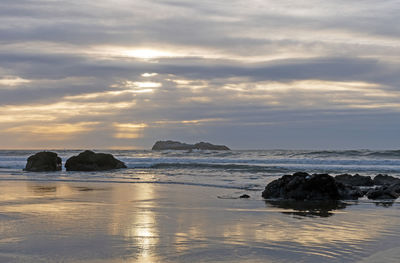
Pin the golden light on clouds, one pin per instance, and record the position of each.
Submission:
(129, 130)
(147, 53)
(135, 87)
(138, 84)
(13, 81)
(148, 75)
(190, 122)
(57, 111)
(53, 131)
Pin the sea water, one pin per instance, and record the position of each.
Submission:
(246, 169)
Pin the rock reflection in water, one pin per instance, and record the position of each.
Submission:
(41, 189)
(308, 208)
(388, 203)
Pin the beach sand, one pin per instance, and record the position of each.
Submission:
(121, 222)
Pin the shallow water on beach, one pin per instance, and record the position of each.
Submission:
(119, 222)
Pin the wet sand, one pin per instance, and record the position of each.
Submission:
(111, 222)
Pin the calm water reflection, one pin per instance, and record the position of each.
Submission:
(309, 208)
(81, 222)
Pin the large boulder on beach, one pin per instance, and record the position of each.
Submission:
(303, 186)
(354, 180)
(90, 161)
(381, 179)
(43, 162)
(175, 145)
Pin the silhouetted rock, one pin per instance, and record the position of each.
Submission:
(384, 192)
(302, 186)
(349, 192)
(209, 146)
(244, 196)
(174, 145)
(43, 162)
(354, 180)
(381, 179)
(90, 161)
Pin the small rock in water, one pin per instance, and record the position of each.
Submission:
(244, 196)
(43, 162)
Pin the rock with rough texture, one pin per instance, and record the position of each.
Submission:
(381, 179)
(174, 145)
(354, 180)
(209, 146)
(349, 192)
(303, 186)
(244, 196)
(384, 192)
(43, 162)
(90, 161)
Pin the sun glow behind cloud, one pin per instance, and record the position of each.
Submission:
(129, 130)
(53, 131)
(147, 53)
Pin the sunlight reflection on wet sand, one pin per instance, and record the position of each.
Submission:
(97, 222)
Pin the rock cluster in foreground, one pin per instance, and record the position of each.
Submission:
(304, 186)
(90, 161)
(86, 161)
(175, 145)
(43, 162)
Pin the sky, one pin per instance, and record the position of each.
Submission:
(254, 74)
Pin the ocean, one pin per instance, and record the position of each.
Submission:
(245, 169)
(184, 206)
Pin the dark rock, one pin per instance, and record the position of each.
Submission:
(244, 196)
(43, 162)
(384, 192)
(302, 186)
(171, 145)
(174, 145)
(209, 146)
(381, 179)
(90, 161)
(354, 180)
(349, 192)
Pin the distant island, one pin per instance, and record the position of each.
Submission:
(175, 145)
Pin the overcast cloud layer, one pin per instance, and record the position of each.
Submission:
(249, 74)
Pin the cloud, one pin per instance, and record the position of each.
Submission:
(126, 73)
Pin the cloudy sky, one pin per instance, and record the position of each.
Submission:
(254, 74)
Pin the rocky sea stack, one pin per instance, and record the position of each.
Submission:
(91, 161)
(43, 162)
(175, 145)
